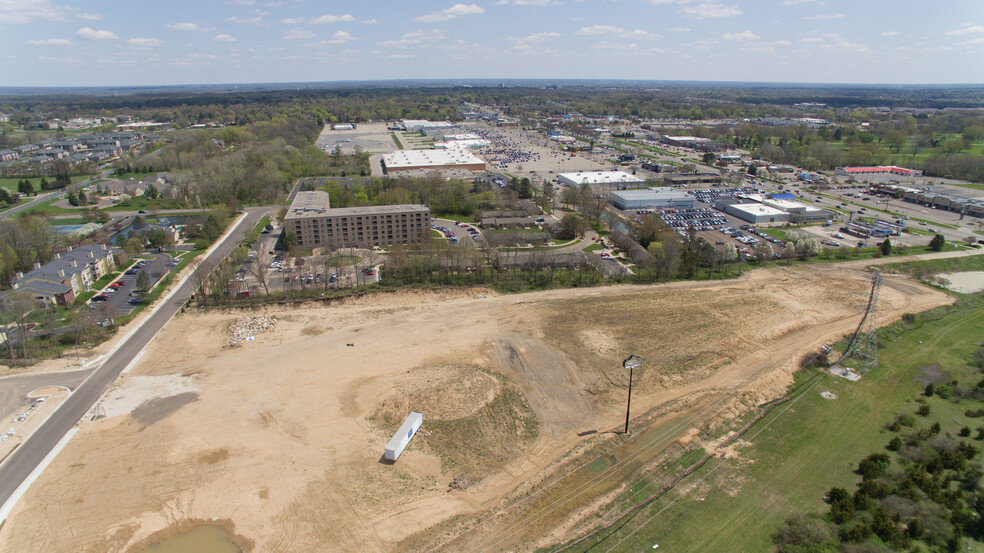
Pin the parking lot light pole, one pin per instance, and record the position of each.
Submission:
(630, 363)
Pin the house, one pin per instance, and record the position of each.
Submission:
(70, 273)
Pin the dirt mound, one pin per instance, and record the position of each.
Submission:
(442, 392)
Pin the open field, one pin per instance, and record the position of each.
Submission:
(280, 438)
(793, 456)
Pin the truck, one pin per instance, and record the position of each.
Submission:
(401, 439)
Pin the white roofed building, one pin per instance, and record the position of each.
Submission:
(617, 179)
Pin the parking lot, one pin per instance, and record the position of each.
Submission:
(119, 293)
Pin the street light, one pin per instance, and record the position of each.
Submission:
(630, 363)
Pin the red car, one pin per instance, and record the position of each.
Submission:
(116, 285)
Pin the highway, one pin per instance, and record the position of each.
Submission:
(22, 462)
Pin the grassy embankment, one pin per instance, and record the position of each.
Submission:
(806, 446)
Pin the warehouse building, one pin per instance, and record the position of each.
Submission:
(652, 198)
(449, 158)
(755, 213)
(612, 179)
(317, 225)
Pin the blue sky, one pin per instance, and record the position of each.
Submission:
(134, 42)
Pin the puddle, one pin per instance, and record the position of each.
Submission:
(203, 539)
(968, 282)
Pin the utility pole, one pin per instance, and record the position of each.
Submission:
(630, 362)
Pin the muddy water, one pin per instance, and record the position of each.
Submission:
(967, 282)
(204, 539)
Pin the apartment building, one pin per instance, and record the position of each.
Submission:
(317, 225)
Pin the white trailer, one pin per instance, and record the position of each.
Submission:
(402, 437)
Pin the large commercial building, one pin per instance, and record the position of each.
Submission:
(317, 225)
(877, 170)
(451, 158)
(652, 198)
(757, 214)
(617, 179)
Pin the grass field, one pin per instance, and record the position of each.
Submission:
(11, 183)
(810, 444)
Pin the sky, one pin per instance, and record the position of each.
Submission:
(171, 42)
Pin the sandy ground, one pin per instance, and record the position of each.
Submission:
(968, 282)
(34, 416)
(282, 437)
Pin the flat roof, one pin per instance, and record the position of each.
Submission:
(308, 204)
(652, 193)
(375, 210)
(402, 159)
(757, 209)
(601, 177)
(410, 123)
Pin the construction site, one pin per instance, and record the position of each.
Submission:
(267, 428)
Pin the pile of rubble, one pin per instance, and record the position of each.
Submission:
(459, 483)
(246, 329)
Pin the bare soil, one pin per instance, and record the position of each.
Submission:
(285, 439)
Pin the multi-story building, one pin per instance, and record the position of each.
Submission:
(68, 274)
(317, 225)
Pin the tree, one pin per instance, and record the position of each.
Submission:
(44, 184)
(73, 200)
(143, 281)
(25, 187)
(5, 196)
(937, 243)
(752, 170)
(288, 239)
(151, 192)
(886, 247)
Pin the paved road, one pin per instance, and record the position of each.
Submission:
(14, 389)
(29, 455)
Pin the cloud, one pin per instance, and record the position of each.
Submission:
(973, 41)
(144, 42)
(25, 11)
(186, 27)
(454, 11)
(89, 16)
(245, 20)
(680, 30)
(224, 38)
(744, 35)
(710, 10)
(613, 30)
(415, 37)
(50, 42)
(298, 34)
(370, 22)
(93, 34)
(540, 37)
(781, 43)
(824, 17)
(341, 37)
(292, 21)
(788, 3)
(891, 33)
(324, 19)
(966, 29)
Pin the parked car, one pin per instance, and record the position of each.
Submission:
(100, 297)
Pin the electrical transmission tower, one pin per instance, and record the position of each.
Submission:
(864, 346)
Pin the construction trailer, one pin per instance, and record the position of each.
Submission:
(402, 437)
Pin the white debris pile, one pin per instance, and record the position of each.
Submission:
(246, 329)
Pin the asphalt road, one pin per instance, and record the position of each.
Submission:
(30, 454)
(14, 389)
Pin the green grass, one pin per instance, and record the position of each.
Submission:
(52, 209)
(594, 248)
(802, 449)
(254, 234)
(342, 260)
(11, 183)
(399, 145)
(156, 292)
(935, 266)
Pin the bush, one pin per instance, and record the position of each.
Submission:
(923, 410)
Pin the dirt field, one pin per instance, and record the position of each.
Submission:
(281, 438)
